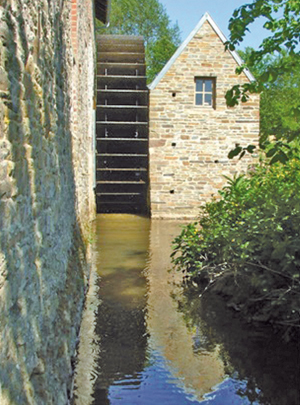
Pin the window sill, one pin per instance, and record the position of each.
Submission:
(205, 107)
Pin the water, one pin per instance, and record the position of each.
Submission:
(145, 343)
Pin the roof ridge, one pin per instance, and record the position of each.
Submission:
(181, 48)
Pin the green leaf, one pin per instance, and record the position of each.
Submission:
(271, 152)
(280, 156)
(234, 152)
(242, 154)
(251, 148)
(268, 25)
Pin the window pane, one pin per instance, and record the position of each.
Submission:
(199, 99)
(208, 99)
(199, 84)
(208, 86)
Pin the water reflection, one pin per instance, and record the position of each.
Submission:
(123, 243)
(262, 369)
(167, 326)
(144, 342)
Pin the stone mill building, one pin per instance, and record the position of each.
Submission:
(191, 128)
(52, 166)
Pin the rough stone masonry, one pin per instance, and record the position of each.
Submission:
(46, 141)
(189, 143)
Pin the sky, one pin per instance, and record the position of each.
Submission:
(188, 12)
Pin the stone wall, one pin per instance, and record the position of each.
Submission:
(83, 107)
(188, 143)
(46, 106)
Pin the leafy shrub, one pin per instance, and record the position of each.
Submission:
(251, 234)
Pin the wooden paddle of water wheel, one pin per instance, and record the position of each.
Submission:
(121, 125)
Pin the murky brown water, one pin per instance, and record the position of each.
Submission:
(143, 342)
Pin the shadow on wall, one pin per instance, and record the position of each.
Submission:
(42, 255)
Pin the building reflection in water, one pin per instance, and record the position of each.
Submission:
(140, 346)
(169, 332)
(144, 342)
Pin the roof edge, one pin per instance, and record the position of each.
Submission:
(102, 11)
(180, 49)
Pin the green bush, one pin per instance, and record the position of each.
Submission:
(251, 234)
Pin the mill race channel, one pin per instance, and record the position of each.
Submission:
(144, 342)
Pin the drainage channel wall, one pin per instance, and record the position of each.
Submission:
(46, 110)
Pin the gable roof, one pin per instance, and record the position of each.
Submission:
(182, 47)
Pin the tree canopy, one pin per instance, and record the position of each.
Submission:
(280, 98)
(149, 19)
(275, 65)
(283, 23)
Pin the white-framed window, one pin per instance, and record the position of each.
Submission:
(205, 91)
